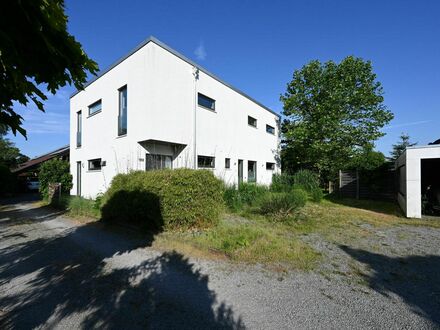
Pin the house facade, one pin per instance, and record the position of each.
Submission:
(155, 109)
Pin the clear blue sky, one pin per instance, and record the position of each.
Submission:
(256, 45)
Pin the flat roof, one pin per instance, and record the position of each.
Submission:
(425, 146)
(182, 57)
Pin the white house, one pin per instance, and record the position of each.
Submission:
(418, 171)
(154, 108)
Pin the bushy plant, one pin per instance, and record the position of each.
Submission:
(281, 182)
(82, 207)
(54, 171)
(306, 180)
(316, 194)
(250, 192)
(165, 199)
(232, 198)
(283, 203)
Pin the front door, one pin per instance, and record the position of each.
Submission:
(240, 171)
(78, 178)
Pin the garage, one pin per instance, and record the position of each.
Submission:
(418, 171)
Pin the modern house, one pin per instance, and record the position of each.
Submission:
(419, 178)
(155, 108)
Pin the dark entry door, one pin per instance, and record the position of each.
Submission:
(240, 171)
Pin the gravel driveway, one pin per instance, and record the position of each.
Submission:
(57, 273)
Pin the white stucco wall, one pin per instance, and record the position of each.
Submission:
(161, 100)
(410, 201)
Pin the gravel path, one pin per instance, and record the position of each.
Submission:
(57, 273)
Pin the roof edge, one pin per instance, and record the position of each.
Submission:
(182, 57)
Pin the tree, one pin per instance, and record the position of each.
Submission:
(36, 50)
(332, 110)
(10, 155)
(54, 171)
(400, 147)
(366, 159)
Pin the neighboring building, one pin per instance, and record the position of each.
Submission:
(153, 109)
(419, 179)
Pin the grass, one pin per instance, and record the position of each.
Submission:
(79, 207)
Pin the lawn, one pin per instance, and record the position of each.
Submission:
(249, 238)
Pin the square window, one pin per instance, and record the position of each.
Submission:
(270, 129)
(252, 121)
(95, 107)
(95, 164)
(270, 166)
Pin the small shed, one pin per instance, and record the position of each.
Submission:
(418, 171)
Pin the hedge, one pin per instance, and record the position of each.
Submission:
(164, 199)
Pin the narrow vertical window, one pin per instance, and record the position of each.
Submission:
(122, 115)
(78, 129)
(252, 171)
(227, 162)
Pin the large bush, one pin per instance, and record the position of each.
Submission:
(284, 203)
(54, 171)
(165, 199)
(306, 179)
(245, 194)
(281, 182)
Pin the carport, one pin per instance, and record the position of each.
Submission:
(418, 170)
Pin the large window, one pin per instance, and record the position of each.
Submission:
(252, 121)
(78, 129)
(205, 162)
(270, 129)
(158, 162)
(95, 107)
(122, 115)
(206, 102)
(95, 164)
(252, 171)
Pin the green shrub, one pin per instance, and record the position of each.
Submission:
(281, 182)
(250, 192)
(284, 203)
(232, 198)
(165, 199)
(54, 171)
(306, 180)
(82, 207)
(316, 194)
(8, 181)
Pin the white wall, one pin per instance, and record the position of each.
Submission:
(161, 94)
(411, 202)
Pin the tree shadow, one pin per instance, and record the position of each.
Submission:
(416, 279)
(94, 276)
(385, 207)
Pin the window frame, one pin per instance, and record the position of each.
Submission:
(206, 157)
(158, 158)
(94, 169)
(272, 166)
(254, 119)
(93, 104)
(255, 170)
(200, 95)
(79, 128)
(271, 128)
(227, 163)
(120, 91)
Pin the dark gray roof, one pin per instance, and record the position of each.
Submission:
(172, 51)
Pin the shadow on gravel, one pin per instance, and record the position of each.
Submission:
(416, 279)
(68, 276)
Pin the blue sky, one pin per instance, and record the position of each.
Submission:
(256, 45)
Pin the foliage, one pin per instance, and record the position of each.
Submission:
(54, 171)
(245, 195)
(165, 199)
(400, 147)
(8, 181)
(9, 154)
(306, 179)
(316, 194)
(281, 182)
(332, 109)
(82, 207)
(284, 203)
(366, 158)
(36, 49)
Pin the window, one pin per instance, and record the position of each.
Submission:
(122, 115)
(270, 129)
(206, 102)
(252, 171)
(158, 162)
(95, 107)
(95, 164)
(270, 166)
(205, 162)
(78, 129)
(252, 121)
(227, 162)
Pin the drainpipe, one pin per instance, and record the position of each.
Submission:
(196, 77)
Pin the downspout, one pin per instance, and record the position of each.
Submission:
(196, 77)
